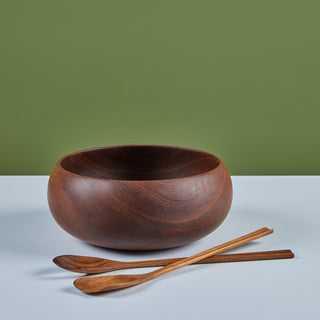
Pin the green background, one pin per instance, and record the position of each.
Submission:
(239, 79)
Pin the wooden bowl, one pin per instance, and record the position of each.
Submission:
(139, 197)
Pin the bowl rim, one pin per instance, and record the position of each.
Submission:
(59, 163)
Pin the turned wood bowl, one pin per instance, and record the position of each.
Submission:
(139, 197)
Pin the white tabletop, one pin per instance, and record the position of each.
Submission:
(32, 287)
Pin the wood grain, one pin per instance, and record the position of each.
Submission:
(139, 197)
(93, 265)
(108, 283)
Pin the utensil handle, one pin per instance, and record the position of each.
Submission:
(215, 250)
(233, 257)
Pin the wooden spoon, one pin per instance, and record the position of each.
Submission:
(108, 283)
(93, 265)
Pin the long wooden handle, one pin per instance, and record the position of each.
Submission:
(231, 257)
(202, 255)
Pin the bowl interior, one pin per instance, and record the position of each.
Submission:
(139, 162)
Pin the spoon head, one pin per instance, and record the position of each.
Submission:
(82, 264)
(108, 283)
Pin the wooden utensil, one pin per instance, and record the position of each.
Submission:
(93, 265)
(108, 283)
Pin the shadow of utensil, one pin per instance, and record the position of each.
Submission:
(59, 277)
(75, 291)
(58, 273)
(47, 271)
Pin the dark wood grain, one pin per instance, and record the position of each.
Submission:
(139, 197)
(93, 265)
(108, 283)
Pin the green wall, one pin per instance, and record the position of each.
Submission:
(240, 79)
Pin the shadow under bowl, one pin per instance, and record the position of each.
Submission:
(139, 197)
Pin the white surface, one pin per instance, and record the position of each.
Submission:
(32, 287)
